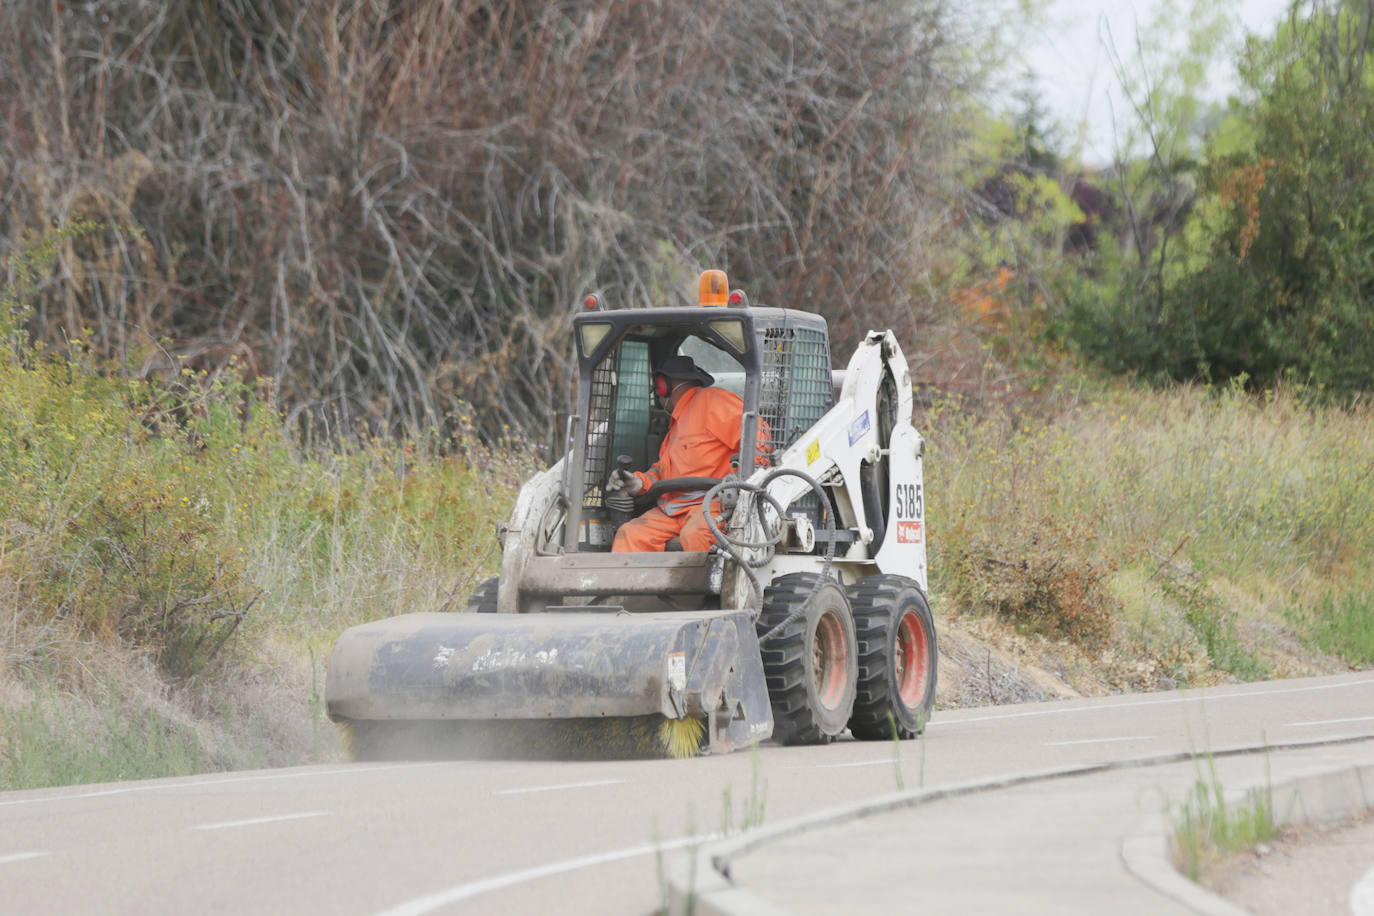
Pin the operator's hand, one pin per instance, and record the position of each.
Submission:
(624, 480)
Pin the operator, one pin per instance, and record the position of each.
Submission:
(703, 435)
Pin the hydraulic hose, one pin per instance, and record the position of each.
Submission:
(734, 546)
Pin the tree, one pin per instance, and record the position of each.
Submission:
(1287, 288)
(1117, 308)
(1261, 267)
(392, 205)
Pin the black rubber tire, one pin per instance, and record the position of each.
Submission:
(898, 658)
(483, 600)
(811, 667)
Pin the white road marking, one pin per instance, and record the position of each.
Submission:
(1328, 722)
(464, 891)
(1177, 696)
(1362, 895)
(22, 856)
(1099, 740)
(224, 825)
(200, 781)
(565, 785)
(886, 761)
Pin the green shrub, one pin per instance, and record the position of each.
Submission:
(106, 512)
(1260, 272)
(166, 512)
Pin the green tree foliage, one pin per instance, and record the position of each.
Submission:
(389, 204)
(1260, 268)
(1289, 288)
(1007, 240)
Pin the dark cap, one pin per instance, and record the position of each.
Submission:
(682, 367)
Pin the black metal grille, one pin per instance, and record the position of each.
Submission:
(600, 423)
(796, 388)
(617, 415)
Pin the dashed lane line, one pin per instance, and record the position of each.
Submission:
(1315, 722)
(882, 761)
(1099, 740)
(22, 856)
(204, 782)
(565, 785)
(254, 821)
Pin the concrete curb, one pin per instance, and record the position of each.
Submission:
(1318, 797)
(703, 885)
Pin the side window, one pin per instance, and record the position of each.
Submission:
(728, 373)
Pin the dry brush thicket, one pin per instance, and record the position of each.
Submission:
(389, 206)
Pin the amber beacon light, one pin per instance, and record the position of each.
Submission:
(713, 288)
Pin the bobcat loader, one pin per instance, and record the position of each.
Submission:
(808, 615)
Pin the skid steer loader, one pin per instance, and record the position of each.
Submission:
(808, 615)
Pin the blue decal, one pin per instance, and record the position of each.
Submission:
(858, 427)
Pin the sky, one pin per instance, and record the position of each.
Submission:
(1073, 68)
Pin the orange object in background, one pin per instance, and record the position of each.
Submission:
(984, 299)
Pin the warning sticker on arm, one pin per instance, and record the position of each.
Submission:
(677, 670)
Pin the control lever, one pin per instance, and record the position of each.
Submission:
(620, 503)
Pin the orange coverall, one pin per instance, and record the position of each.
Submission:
(703, 435)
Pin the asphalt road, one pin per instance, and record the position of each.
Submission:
(531, 837)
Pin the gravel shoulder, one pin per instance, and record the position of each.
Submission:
(1303, 870)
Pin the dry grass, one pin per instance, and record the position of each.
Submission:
(1200, 519)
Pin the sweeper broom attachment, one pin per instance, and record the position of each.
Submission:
(807, 616)
(608, 678)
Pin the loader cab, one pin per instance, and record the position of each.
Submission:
(776, 360)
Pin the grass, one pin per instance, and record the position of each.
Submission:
(197, 543)
(1207, 827)
(171, 552)
(1341, 624)
(752, 807)
(41, 747)
(1160, 527)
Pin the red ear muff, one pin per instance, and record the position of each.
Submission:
(662, 387)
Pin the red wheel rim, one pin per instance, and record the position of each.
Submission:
(830, 659)
(911, 660)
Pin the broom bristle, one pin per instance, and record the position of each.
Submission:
(682, 737)
(610, 738)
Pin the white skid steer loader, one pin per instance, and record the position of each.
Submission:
(808, 615)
